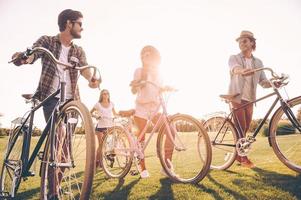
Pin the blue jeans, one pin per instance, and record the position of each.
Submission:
(48, 107)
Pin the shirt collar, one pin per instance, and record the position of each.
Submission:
(242, 56)
(57, 39)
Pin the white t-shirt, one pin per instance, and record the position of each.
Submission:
(149, 93)
(106, 115)
(248, 89)
(60, 73)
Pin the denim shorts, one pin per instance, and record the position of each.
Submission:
(100, 129)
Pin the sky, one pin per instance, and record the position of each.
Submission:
(195, 39)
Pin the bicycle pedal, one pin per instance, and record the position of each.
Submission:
(40, 155)
(5, 195)
(30, 173)
(134, 172)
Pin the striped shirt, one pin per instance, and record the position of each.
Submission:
(53, 44)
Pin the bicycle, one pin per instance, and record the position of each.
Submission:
(183, 146)
(67, 160)
(227, 140)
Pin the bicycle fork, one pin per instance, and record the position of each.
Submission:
(172, 135)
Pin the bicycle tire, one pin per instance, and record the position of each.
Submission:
(12, 161)
(78, 162)
(287, 146)
(223, 156)
(189, 162)
(116, 152)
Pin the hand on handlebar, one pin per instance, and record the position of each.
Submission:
(277, 84)
(247, 72)
(19, 59)
(94, 82)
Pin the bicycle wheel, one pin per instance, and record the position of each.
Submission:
(12, 165)
(188, 158)
(68, 165)
(223, 138)
(116, 153)
(285, 138)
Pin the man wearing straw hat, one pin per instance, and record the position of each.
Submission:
(243, 85)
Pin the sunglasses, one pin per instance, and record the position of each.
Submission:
(77, 22)
(244, 41)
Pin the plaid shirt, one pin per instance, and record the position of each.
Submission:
(53, 44)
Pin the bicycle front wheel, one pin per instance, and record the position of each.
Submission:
(223, 139)
(68, 163)
(184, 149)
(116, 153)
(285, 135)
(10, 177)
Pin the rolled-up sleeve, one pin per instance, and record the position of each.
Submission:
(233, 62)
(43, 41)
(82, 57)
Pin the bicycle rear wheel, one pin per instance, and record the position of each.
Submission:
(68, 165)
(223, 139)
(10, 177)
(285, 137)
(116, 154)
(188, 158)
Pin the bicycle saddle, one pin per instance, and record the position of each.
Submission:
(228, 97)
(27, 96)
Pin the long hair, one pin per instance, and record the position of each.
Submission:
(101, 94)
(147, 50)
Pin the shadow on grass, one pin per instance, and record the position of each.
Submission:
(32, 193)
(120, 192)
(228, 190)
(283, 182)
(165, 191)
(29, 194)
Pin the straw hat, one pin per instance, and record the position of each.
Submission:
(246, 34)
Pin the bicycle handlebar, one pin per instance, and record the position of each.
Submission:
(282, 78)
(29, 52)
(162, 89)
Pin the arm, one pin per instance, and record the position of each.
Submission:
(93, 113)
(41, 42)
(135, 83)
(263, 81)
(86, 73)
(236, 68)
(114, 112)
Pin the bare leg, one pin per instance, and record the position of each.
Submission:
(141, 123)
(99, 136)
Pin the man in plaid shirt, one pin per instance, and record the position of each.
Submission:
(62, 47)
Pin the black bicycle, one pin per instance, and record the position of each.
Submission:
(67, 156)
(283, 132)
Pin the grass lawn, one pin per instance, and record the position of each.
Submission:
(269, 180)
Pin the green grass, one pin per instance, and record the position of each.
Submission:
(269, 180)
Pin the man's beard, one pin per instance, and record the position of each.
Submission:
(74, 34)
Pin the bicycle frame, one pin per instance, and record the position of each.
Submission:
(26, 127)
(27, 160)
(239, 129)
(162, 120)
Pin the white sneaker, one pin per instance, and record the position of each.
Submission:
(144, 174)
